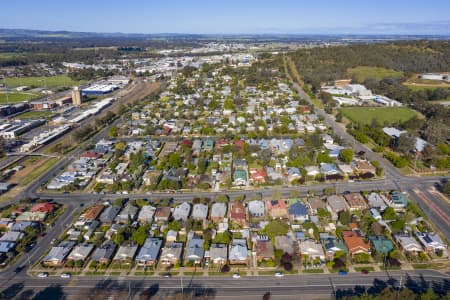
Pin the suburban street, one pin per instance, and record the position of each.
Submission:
(224, 287)
(420, 191)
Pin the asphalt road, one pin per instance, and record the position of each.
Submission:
(290, 286)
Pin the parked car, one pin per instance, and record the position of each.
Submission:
(66, 275)
(167, 275)
(43, 275)
(236, 276)
(342, 272)
(365, 271)
(279, 274)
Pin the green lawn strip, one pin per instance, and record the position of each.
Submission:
(313, 271)
(38, 171)
(362, 73)
(14, 97)
(389, 115)
(50, 81)
(360, 269)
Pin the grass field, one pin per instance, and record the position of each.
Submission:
(52, 81)
(389, 115)
(362, 73)
(15, 97)
(35, 115)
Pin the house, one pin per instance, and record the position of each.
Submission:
(315, 203)
(237, 214)
(148, 255)
(333, 246)
(240, 177)
(398, 200)
(285, 244)
(328, 169)
(200, 211)
(264, 250)
(431, 242)
(376, 200)
(218, 254)
(310, 249)
(336, 204)
(171, 236)
(146, 214)
(218, 211)
(21, 226)
(195, 250)
(182, 211)
(256, 208)
(92, 213)
(32, 216)
(12, 236)
(125, 254)
(162, 214)
(355, 201)
(298, 212)
(363, 167)
(104, 253)
(109, 214)
(58, 254)
(6, 247)
(151, 177)
(312, 171)
(81, 252)
(238, 254)
(381, 244)
(258, 176)
(277, 208)
(294, 174)
(90, 228)
(355, 243)
(171, 254)
(408, 243)
(127, 214)
(44, 207)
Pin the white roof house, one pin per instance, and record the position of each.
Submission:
(408, 243)
(146, 214)
(238, 251)
(182, 211)
(311, 249)
(218, 211)
(257, 208)
(81, 252)
(200, 211)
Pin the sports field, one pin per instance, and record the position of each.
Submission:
(15, 97)
(384, 115)
(362, 73)
(51, 81)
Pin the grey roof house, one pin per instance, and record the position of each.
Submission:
(149, 252)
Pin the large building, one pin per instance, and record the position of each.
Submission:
(76, 96)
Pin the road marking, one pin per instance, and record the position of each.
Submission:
(435, 208)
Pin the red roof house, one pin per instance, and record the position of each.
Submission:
(44, 207)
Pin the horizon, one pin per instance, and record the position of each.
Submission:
(231, 18)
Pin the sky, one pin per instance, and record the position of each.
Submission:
(230, 16)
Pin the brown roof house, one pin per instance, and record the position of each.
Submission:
(355, 201)
(237, 214)
(264, 250)
(355, 243)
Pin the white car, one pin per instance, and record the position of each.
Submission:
(65, 275)
(279, 274)
(43, 275)
(236, 276)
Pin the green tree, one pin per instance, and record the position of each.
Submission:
(113, 131)
(389, 214)
(140, 235)
(346, 155)
(275, 228)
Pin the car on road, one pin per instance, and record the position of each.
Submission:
(43, 275)
(342, 272)
(365, 272)
(279, 274)
(66, 275)
(149, 193)
(167, 275)
(52, 241)
(236, 276)
(19, 269)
